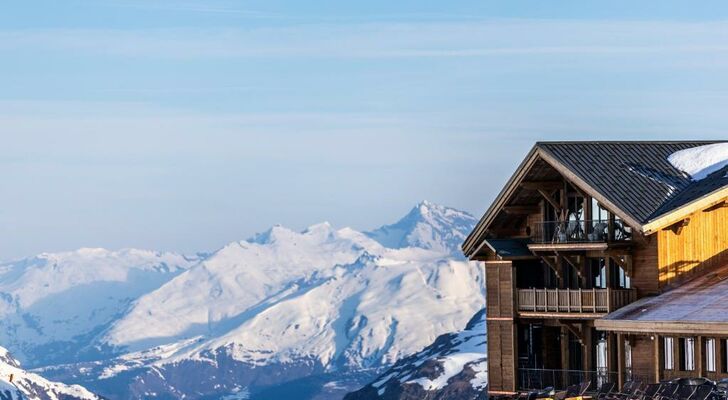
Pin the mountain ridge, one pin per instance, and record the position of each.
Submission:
(283, 306)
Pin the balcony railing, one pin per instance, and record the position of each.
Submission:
(583, 301)
(579, 231)
(537, 379)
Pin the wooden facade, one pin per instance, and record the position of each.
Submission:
(696, 244)
(500, 313)
(582, 258)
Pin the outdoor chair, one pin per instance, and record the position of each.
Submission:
(629, 389)
(651, 391)
(604, 390)
(571, 391)
(684, 392)
(598, 232)
(703, 392)
(669, 391)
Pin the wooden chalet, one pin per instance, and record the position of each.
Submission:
(604, 262)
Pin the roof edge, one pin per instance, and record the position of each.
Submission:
(470, 242)
(680, 213)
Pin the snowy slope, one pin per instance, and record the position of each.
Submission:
(359, 315)
(454, 367)
(428, 226)
(53, 304)
(26, 385)
(235, 283)
(701, 161)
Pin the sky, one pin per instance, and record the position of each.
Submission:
(185, 125)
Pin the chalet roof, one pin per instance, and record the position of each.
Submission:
(635, 176)
(633, 179)
(509, 248)
(700, 305)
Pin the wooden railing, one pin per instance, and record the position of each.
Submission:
(592, 301)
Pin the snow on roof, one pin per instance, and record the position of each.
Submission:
(701, 300)
(701, 161)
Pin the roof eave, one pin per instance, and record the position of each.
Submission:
(679, 214)
(470, 243)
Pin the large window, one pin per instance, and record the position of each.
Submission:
(687, 354)
(669, 356)
(598, 213)
(710, 364)
(627, 359)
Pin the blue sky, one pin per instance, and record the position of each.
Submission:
(183, 125)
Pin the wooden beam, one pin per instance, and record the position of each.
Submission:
(625, 264)
(575, 264)
(677, 227)
(522, 210)
(716, 206)
(555, 204)
(547, 185)
(573, 329)
(552, 265)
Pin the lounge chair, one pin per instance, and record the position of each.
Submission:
(604, 390)
(703, 392)
(651, 392)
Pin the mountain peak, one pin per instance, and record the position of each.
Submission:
(427, 225)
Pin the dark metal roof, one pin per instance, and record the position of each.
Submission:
(508, 248)
(635, 176)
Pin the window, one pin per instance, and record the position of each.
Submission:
(669, 360)
(710, 355)
(598, 213)
(687, 354)
(627, 359)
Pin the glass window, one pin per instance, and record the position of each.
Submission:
(687, 354)
(628, 358)
(710, 355)
(598, 213)
(669, 360)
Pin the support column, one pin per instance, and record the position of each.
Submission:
(698, 355)
(565, 355)
(658, 358)
(620, 360)
(587, 347)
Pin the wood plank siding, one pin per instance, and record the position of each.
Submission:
(644, 267)
(500, 305)
(698, 244)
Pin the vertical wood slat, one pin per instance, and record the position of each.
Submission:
(573, 301)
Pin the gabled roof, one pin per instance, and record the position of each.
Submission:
(633, 179)
(700, 305)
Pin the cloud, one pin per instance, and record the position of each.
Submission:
(484, 38)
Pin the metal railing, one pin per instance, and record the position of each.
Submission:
(559, 379)
(595, 301)
(579, 231)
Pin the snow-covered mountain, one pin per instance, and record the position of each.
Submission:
(454, 367)
(18, 384)
(54, 304)
(324, 309)
(428, 226)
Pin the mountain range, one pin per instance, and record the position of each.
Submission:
(317, 313)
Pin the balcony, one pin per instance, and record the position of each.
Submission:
(559, 379)
(574, 303)
(580, 231)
